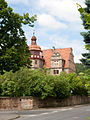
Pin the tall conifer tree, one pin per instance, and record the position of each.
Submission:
(85, 16)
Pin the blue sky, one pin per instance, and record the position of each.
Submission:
(58, 23)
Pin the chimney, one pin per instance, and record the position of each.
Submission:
(53, 48)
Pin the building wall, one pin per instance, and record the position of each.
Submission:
(71, 64)
(56, 63)
(66, 70)
(37, 63)
(27, 103)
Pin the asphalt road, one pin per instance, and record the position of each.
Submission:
(66, 113)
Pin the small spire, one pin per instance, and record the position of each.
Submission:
(53, 47)
(33, 39)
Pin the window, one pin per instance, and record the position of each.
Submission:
(56, 62)
(38, 53)
(56, 71)
(35, 52)
(31, 52)
(35, 61)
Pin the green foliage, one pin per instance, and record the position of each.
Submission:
(79, 67)
(62, 87)
(1, 81)
(16, 84)
(14, 51)
(27, 82)
(8, 85)
(86, 76)
(77, 84)
(85, 16)
(42, 85)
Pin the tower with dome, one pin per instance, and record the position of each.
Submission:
(36, 54)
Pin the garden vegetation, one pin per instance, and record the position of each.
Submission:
(38, 83)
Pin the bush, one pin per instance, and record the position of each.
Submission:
(27, 82)
(86, 77)
(8, 84)
(15, 84)
(61, 86)
(1, 80)
(77, 84)
(41, 85)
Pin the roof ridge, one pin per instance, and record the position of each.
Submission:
(57, 48)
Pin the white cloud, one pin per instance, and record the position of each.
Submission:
(48, 21)
(25, 2)
(44, 47)
(64, 42)
(64, 9)
(76, 27)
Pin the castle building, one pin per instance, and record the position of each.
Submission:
(55, 60)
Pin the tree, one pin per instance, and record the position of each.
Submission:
(14, 51)
(79, 67)
(85, 16)
(86, 76)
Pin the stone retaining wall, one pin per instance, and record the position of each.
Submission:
(23, 103)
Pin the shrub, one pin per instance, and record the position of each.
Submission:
(77, 84)
(27, 82)
(41, 85)
(16, 84)
(61, 86)
(8, 84)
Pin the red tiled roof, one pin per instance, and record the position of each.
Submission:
(34, 47)
(65, 53)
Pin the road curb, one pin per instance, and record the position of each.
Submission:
(14, 118)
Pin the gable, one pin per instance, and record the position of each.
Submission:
(56, 55)
(65, 53)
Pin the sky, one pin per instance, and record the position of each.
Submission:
(58, 23)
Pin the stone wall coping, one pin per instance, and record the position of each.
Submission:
(31, 97)
(22, 97)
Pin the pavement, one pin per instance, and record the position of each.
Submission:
(8, 115)
(80, 112)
